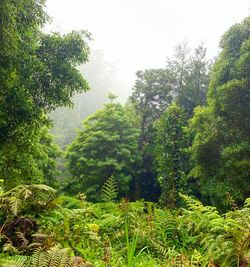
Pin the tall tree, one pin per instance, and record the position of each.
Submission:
(171, 154)
(37, 73)
(106, 146)
(221, 147)
(191, 75)
(152, 93)
(178, 66)
(197, 78)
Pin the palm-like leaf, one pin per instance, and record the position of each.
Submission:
(109, 190)
(14, 200)
(55, 257)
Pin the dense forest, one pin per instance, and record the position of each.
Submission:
(160, 180)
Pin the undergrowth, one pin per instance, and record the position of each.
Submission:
(72, 231)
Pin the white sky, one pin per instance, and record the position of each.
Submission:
(140, 34)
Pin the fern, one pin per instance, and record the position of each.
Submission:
(17, 235)
(37, 259)
(23, 241)
(160, 248)
(170, 254)
(26, 196)
(1, 187)
(225, 238)
(54, 257)
(109, 190)
(165, 227)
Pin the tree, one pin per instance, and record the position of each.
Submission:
(106, 146)
(37, 74)
(178, 66)
(37, 70)
(49, 153)
(30, 159)
(194, 92)
(100, 76)
(171, 154)
(191, 76)
(221, 146)
(152, 93)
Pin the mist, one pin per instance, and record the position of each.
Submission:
(137, 35)
(129, 36)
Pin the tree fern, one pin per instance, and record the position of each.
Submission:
(109, 190)
(26, 196)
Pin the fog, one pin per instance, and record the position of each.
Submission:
(140, 34)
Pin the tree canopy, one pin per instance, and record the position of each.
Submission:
(220, 149)
(106, 146)
(37, 74)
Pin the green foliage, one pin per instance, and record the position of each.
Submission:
(127, 234)
(26, 198)
(18, 232)
(220, 149)
(69, 202)
(130, 246)
(165, 228)
(73, 228)
(37, 74)
(192, 77)
(178, 66)
(47, 79)
(113, 155)
(106, 146)
(54, 257)
(109, 190)
(30, 158)
(152, 93)
(171, 155)
(1, 187)
(184, 80)
(100, 75)
(224, 238)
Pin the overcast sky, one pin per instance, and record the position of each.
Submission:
(140, 34)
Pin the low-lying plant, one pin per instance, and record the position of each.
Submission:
(128, 234)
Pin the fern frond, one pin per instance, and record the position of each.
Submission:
(54, 257)
(21, 263)
(23, 240)
(165, 227)
(37, 258)
(247, 203)
(170, 254)
(76, 262)
(13, 200)
(109, 190)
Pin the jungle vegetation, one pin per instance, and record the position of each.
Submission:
(162, 180)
